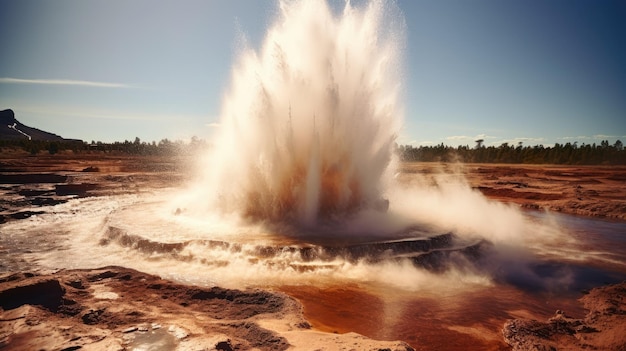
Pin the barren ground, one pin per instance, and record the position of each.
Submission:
(596, 191)
(115, 308)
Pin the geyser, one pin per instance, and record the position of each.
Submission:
(305, 149)
(309, 123)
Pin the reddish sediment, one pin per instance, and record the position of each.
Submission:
(594, 191)
(430, 322)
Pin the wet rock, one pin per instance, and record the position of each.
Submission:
(32, 178)
(24, 214)
(46, 201)
(122, 238)
(522, 334)
(32, 193)
(601, 329)
(528, 335)
(74, 189)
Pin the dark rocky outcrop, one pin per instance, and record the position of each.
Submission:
(32, 178)
(47, 293)
(12, 129)
(79, 189)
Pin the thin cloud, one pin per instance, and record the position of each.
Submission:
(604, 136)
(72, 111)
(580, 137)
(470, 138)
(458, 137)
(67, 82)
(592, 137)
(213, 125)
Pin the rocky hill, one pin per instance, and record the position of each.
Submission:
(12, 129)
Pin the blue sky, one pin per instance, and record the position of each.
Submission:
(535, 71)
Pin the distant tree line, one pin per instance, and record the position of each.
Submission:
(136, 147)
(569, 153)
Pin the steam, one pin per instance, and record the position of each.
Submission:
(305, 156)
(309, 123)
(303, 161)
(307, 136)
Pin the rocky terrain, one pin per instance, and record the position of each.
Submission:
(117, 308)
(603, 328)
(28, 183)
(596, 191)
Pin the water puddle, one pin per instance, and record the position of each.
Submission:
(152, 340)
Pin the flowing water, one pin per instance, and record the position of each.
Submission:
(433, 289)
(300, 194)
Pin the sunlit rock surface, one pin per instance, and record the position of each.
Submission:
(115, 308)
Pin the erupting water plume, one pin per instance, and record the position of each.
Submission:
(301, 193)
(305, 149)
(309, 124)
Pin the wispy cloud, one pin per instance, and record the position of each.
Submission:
(604, 136)
(592, 138)
(469, 138)
(67, 82)
(94, 113)
(458, 137)
(517, 140)
(580, 137)
(213, 125)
